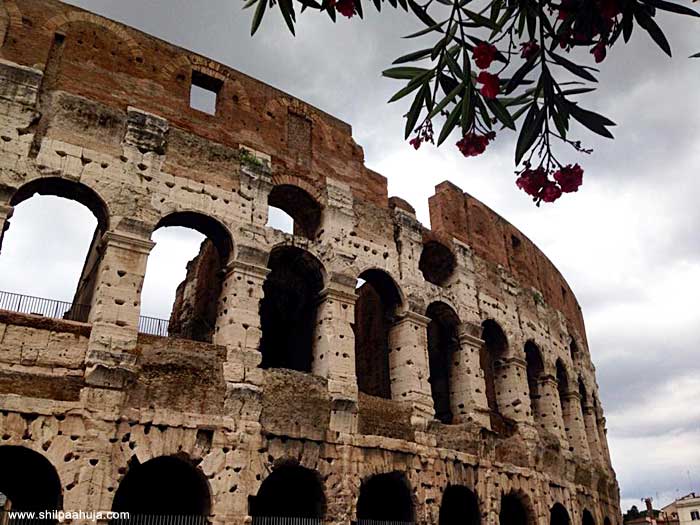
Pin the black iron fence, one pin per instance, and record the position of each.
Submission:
(28, 304)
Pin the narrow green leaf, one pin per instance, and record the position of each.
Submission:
(436, 27)
(416, 55)
(654, 30)
(696, 55)
(450, 122)
(596, 123)
(411, 86)
(479, 19)
(673, 8)
(403, 72)
(519, 75)
(414, 112)
(573, 68)
(501, 113)
(449, 98)
(421, 13)
(287, 9)
(530, 131)
(258, 16)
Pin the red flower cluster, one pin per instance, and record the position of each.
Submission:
(599, 52)
(594, 27)
(344, 7)
(425, 134)
(490, 83)
(484, 54)
(537, 183)
(471, 144)
(530, 49)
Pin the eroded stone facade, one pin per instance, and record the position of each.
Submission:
(99, 113)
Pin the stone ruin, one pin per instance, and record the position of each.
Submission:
(362, 369)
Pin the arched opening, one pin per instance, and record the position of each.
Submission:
(573, 350)
(288, 309)
(535, 371)
(378, 299)
(607, 521)
(459, 507)
(558, 515)
(562, 384)
(289, 492)
(587, 518)
(442, 343)
(582, 391)
(184, 277)
(436, 263)
(166, 485)
(513, 511)
(28, 480)
(51, 251)
(492, 352)
(385, 497)
(292, 208)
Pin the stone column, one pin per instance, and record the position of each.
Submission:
(602, 434)
(408, 365)
(591, 424)
(551, 418)
(467, 387)
(575, 429)
(116, 306)
(5, 215)
(334, 352)
(511, 388)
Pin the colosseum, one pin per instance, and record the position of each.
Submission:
(361, 369)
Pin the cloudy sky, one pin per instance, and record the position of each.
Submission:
(627, 242)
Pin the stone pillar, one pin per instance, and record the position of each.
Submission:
(511, 388)
(5, 215)
(467, 387)
(573, 421)
(334, 352)
(408, 365)
(551, 418)
(602, 434)
(116, 306)
(591, 424)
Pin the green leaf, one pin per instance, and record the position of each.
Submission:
(673, 8)
(403, 72)
(427, 30)
(421, 13)
(258, 16)
(519, 75)
(560, 122)
(654, 30)
(627, 25)
(479, 19)
(414, 112)
(449, 98)
(596, 123)
(501, 113)
(573, 68)
(450, 122)
(416, 55)
(411, 86)
(696, 55)
(530, 131)
(287, 8)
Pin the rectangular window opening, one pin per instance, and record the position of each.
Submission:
(204, 92)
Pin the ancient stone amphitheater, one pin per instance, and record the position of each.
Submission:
(362, 369)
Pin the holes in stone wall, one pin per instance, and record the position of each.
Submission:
(378, 298)
(288, 309)
(437, 263)
(385, 497)
(442, 343)
(166, 485)
(290, 491)
(29, 480)
(204, 92)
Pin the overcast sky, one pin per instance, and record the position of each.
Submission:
(627, 242)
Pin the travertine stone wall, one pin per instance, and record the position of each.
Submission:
(99, 113)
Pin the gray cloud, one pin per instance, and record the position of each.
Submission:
(627, 242)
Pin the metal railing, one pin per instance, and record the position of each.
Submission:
(153, 326)
(27, 304)
(283, 520)
(160, 519)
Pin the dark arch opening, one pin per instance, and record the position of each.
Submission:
(442, 343)
(385, 497)
(290, 492)
(558, 515)
(378, 298)
(492, 352)
(304, 210)
(607, 521)
(562, 382)
(573, 350)
(535, 371)
(437, 263)
(29, 480)
(166, 485)
(288, 309)
(513, 511)
(582, 391)
(460, 506)
(196, 298)
(587, 518)
(67, 189)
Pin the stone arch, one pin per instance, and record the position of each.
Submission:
(562, 381)
(29, 480)
(385, 497)
(587, 517)
(437, 263)
(58, 22)
(288, 308)
(290, 491)
(574, 350)
(205, 224)
(493, 351)
(558, 515)
(582, 390)
(459, 506)
(535, 374)
(164, 485)
(379, 300)
(300, 205)
(607, 521)
(443, 341)
(516, 509)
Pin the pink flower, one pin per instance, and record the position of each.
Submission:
(471, 144)
(484, 54)
(550, 192)
(532, 181)
(345, 7)
(490, 86)
(569, 178)
(599, 52)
